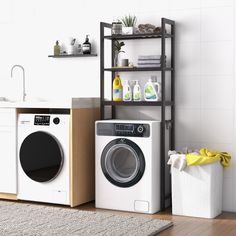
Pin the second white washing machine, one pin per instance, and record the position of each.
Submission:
(128, 165)
(43, 158)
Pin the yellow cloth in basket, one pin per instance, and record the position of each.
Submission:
(207, 156)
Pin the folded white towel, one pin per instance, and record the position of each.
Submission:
(149, 57)
(149, 61)
(149, 65)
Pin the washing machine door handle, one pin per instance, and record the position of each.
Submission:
(123, 162)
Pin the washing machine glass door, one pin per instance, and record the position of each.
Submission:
(41, 156)
(123, 162)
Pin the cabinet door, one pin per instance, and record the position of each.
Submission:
(8, 151)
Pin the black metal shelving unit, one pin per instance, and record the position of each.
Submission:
(163, 36)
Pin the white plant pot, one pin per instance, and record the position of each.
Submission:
(127, 30)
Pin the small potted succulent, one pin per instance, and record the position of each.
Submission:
(117, 50)
(128, 23)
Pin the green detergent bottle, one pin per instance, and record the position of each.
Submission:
(152, 91)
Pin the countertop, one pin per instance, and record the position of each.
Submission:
(70, 103)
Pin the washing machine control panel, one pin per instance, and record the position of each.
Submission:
(123, 129)
(41, 120)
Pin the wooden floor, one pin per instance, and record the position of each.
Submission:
(224, 225)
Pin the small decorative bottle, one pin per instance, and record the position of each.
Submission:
(86, 46)
(57, 49)
(79, 49)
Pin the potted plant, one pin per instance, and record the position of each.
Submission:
(117, 50)
(128, 24)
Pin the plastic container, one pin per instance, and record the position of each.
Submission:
(197, 190)
(57, 49)
(127, 92)
(152, 90)
(137, 95)
(117, 89)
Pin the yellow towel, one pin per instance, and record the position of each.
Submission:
(207, 156)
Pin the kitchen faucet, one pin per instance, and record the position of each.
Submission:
(23, 70)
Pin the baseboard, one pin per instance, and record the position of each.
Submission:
(8, 196)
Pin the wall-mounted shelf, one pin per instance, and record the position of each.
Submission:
(73, 55)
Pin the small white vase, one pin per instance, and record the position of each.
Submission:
(116, 59)
(127, 30)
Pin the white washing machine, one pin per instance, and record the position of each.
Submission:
(128, 165)
(43, 158)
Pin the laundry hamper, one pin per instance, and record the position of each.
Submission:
(197, 190)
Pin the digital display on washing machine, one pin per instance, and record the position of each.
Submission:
(124, 128)
(41, 120)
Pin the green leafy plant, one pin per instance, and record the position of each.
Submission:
(129, 21)
(118, 45)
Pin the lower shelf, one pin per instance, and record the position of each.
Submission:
(141, 103)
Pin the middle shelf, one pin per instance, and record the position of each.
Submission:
(140, 103)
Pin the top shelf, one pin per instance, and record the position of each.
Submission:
(137, 36)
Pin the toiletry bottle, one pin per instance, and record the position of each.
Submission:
(57, 49)
(150, 91)
(137, 96)
(86, 46)
(127, 93)
(79, 49)
(117, 89)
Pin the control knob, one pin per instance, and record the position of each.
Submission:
(140, 129)
(56, 121)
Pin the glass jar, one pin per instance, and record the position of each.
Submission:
(116, 28)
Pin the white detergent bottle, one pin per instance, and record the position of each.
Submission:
(137, 95)
(158, 87)
(127, 93)
(150, 93)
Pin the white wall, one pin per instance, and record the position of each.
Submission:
(205, 60)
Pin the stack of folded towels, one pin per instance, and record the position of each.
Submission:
(149, 61)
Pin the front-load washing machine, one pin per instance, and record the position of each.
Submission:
(128, 165)
(43, 158)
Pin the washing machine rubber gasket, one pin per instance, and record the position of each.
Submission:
(139, 154)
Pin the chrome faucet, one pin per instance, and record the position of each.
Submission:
(23, 70)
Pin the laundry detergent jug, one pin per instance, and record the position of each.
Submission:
(152, 91)
(127, 92)
(117, 89)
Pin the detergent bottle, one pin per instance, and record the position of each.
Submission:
(158, 87)
(127, 93)
(117, 89)
(137, 96)
(152, 90)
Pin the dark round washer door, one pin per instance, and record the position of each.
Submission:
(123, 162)
(41, 156)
